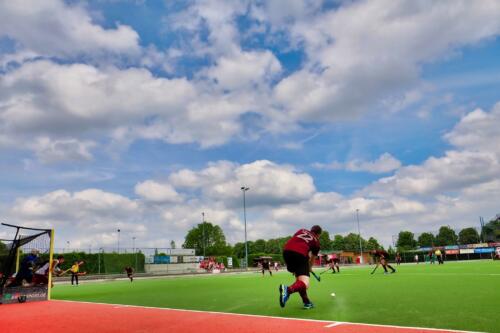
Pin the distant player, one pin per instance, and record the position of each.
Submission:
(416, 259)
(398, 258)
(380, 257)
(266, 267)
(432, 257)
(299, 254)
(75, 271)
(334, 263)
(439, 256)
(276, 266)
(130, 273)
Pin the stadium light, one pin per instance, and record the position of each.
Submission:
(118, 240)
(99, 259)
(67, 242)
(244, 189)
(203, 231)
(359, 236)
(135, 252)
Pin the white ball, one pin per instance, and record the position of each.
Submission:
(332, 294)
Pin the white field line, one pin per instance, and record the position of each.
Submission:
(333, 323)
(430, 274)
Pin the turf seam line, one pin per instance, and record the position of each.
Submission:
(263, 316)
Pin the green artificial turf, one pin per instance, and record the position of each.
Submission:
(464, 295)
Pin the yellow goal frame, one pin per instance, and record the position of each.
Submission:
(51, 258)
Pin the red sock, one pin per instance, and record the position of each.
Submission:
(303, 295)
(297, 287)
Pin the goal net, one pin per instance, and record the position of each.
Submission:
(23, 255)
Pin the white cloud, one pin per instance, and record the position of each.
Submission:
(49, 151)
(350, 66)
(157, 192)
(477, 131)
(358, 56)
(62, 205)
(474, 161)
(269, 183)
(449, 190)
(88, 217)
(53, 28)
(244, 70)
(383, 164)
(353, 64)
(69, 102)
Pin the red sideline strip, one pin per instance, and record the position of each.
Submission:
(60, 316)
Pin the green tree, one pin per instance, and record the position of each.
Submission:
(338, 243)
(491, 230)
(3, 247)
(324, 240)
(406, 241)
(251, 247)
(373, 244)
(426, 239)
(273, 246)
(351, 242)
(468, 236)
(172, 244)
(239, 250)
(208, 236)
(259, 246)
(446, 236)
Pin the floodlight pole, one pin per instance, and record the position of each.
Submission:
(244, 189)
(359, 236)
(135, 252)
(99, 259)
(118, 240)
(203, 231)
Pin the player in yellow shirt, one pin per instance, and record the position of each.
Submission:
(75, 269)
(439, 256)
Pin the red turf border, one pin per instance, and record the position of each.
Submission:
(64, 316)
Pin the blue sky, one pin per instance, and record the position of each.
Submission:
(140, 115)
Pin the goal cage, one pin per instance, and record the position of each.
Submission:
(22, 254)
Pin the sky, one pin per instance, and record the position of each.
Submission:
(141, 115)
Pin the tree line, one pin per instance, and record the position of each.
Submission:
(447, 236)
(209, 240)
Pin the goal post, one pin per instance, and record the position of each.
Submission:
(24, 257)
(51, 259)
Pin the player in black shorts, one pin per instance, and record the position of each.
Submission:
(266, 267)
(300, 253)
(380, 257)
(130, 273)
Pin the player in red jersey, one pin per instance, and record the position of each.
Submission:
(334, 263)
(299, 254)
(381, 258)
